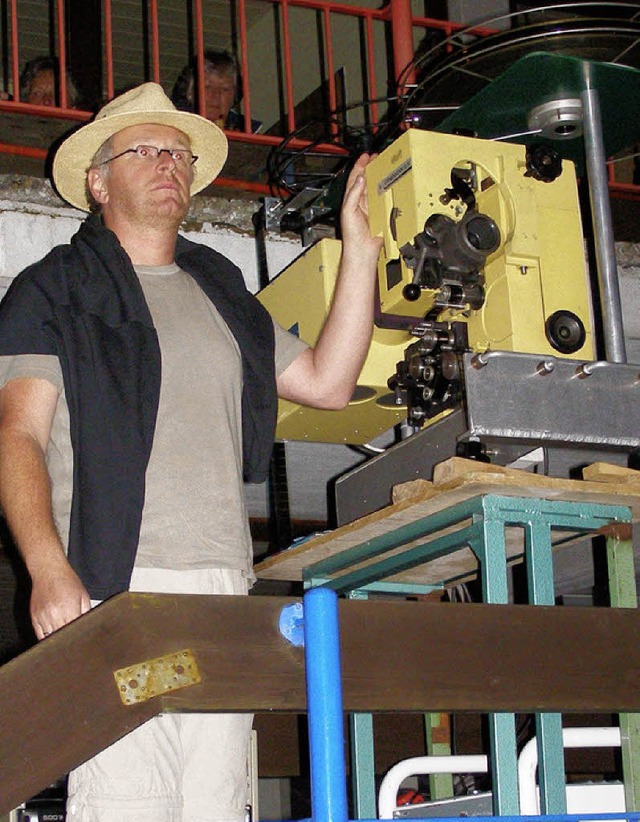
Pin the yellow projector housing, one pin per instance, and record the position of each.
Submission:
(299, 299)
(538, 272)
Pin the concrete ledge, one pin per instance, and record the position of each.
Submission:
(32, 194)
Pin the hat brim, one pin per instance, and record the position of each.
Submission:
(73, 158)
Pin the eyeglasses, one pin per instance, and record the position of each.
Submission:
(181, 156)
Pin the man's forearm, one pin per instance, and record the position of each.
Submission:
(344, 342)
(324, 377)
(25, 498)
(57, 594)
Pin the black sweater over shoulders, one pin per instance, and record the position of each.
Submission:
(83, 302)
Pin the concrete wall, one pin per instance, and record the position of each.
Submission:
(628, 256)
(476, 11)
(33, 220)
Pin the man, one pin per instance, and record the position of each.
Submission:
(221, 90)
(139, 385)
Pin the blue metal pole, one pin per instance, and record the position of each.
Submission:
(324, 706)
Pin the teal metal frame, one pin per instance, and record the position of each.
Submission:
(622, 594)
(482, 522)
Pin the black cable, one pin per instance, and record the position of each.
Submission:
(280, 524)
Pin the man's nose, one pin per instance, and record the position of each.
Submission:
(165, 159)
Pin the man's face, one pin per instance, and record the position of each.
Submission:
(144, 191)
(42, 89)
(219, 92)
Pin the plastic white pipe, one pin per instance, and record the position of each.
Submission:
(571, 738)
(527, 767)
(396, 775)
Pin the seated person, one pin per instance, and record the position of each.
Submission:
(222, 88)
(39, 83)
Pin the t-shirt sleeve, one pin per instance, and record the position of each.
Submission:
(35, 366)
(27, 323)
(288, 347)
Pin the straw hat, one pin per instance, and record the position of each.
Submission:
(144, 104)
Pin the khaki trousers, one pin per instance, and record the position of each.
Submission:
(175, 767)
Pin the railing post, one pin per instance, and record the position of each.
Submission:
(402, 39)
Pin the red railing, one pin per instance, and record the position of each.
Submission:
(398, 28)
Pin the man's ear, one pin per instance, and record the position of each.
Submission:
(97, 185)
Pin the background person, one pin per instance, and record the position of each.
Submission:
(222, 87)
(40, 83)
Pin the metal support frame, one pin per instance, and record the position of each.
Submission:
(483, 521)
(622, 594)
(324, 697)
(489, 545)
(548, 726)
(438, 735)
(363, 780)
(602, 224)
(537, 517)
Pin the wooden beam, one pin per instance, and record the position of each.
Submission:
(477, 657)
(60, 704)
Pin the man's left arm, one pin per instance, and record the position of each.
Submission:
(325, 376)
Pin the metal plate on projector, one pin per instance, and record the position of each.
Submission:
(529, 397)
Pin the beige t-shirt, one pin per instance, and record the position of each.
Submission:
(194, 512)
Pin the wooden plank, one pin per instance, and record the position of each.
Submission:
(414, 489)
(59, 703)
(605, 472)
(458, 468)
(455, 480)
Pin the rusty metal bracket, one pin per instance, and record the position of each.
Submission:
(154, 677)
